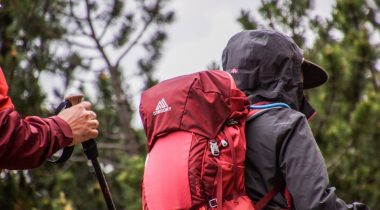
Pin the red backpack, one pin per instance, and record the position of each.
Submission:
(196, 144)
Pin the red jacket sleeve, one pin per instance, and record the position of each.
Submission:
(27, 143)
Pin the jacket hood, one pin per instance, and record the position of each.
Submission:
(266, 65)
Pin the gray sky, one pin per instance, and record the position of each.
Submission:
(199, 34)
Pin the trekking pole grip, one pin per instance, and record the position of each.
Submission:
(74, 99)
(64, 154)
(89, 146)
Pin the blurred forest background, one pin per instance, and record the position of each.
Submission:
(73, 39)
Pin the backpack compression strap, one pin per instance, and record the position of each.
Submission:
(254, 109)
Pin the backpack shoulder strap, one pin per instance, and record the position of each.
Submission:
(267, 197)
(271, 194)
(254, 111)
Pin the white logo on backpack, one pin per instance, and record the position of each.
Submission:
(162, 107)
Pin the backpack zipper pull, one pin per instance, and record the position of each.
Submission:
(214, 148)
(224, 143)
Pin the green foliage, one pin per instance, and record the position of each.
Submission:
(25, 49)
(83, 42)
(347, 126)
(246, 20)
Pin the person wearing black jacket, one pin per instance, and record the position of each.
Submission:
(281, 150)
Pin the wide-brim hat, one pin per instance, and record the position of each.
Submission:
(313, 75)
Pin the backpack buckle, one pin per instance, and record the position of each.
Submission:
(213, 203)
(214, 148)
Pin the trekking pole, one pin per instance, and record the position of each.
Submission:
(91, 151)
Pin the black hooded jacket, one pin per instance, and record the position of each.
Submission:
(280, 145)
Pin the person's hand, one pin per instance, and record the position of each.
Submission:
(82, 122)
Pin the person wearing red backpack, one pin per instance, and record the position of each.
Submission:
(283, 162)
